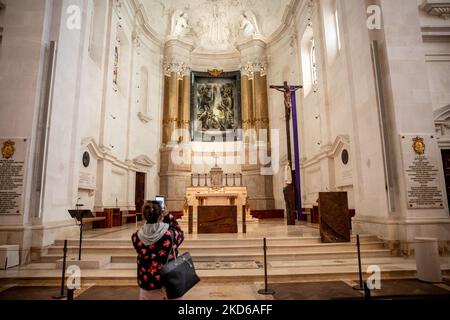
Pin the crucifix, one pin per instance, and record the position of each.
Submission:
(290, 104)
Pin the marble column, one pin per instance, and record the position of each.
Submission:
(173, 104)
(166, 129)
(186, 106)
(246, 96)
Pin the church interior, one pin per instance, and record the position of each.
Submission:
(304, 139)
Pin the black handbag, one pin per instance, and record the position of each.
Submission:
(178, 275)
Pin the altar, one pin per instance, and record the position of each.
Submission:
(216, 209)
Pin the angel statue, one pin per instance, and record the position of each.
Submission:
(249, 25)
(179, 23)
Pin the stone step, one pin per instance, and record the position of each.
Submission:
(196, 248)
(220, 240)
(129, 258)
(232, 256)
(125, 274)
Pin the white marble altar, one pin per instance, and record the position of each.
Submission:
(216, 196)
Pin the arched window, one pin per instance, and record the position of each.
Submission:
(331, 28)
(338, 34)
(97, 33)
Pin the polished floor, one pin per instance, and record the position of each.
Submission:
(265, 228)
(330, 290)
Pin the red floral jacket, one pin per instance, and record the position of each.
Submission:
(153, 257)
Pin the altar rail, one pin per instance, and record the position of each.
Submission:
(228, 180)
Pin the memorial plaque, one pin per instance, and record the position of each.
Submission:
(12, 173)
(422, 175)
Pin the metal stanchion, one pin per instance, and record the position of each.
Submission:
(266, 291)
(70, 293)
(359, 287)
(367, 293)
(63, 277)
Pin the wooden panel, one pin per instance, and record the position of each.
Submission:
(117, 217)
(334, 217)
(190, 220)
(140, 191)
(130, 217)
(267, 214)
(108, 222)
(217, 219)
(244, 219)
(315, 215)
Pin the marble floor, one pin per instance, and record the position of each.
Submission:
(264, 228)
(325, 290)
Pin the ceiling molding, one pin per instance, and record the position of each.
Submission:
(143, 161)
(289, 14)
(142, 18)
(331, 151)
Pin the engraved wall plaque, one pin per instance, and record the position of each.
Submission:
(12, 174)
(421, 172)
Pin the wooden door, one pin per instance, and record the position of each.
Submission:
(446, 163)
(140, 191)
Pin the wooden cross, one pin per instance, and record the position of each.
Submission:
(291, 109)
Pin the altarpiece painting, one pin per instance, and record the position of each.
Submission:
(216, 106)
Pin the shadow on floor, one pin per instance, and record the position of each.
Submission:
(390, 289)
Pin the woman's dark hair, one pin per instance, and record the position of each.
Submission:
(151, 211)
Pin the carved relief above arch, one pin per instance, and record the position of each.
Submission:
(143, 163)
(442, 126)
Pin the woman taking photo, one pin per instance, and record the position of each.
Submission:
(153, 243)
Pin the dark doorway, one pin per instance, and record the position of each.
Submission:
(446, 163)
(140, 190)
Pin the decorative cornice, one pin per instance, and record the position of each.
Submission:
(329, 152)
(288, 18)
(142, 18)
(143, 161)
(251, 67)
(104, 153)
(178, 67)
(439, 9)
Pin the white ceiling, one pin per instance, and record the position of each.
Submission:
(204, 25)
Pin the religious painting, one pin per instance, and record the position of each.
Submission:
(216, 106)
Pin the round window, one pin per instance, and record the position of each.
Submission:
(345, 157)
(86, 159)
